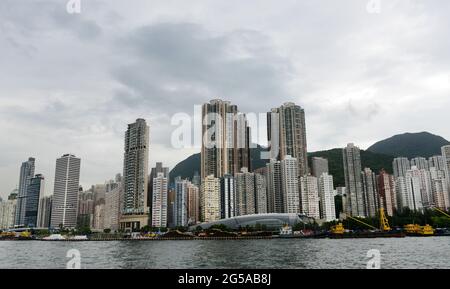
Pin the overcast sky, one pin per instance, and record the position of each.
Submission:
(72, 82)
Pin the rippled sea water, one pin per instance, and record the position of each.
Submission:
(430, 252)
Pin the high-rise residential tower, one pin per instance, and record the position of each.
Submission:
(181, 202)
(261, 192)
(437, 162)
(159, 203)
(370, 192)
(326, 196)
(135, 176)
(414, 189)
(386, 192)
(401, 166)
(159, 168)
(353, 182)
(210, 199)
(193, 204)
(310, 196)
(26, 173)
(420, 162)
(65, 194)
(8, 211)
(275, 195)
(245, 193)
(286, 129)
(114, 192)
(290, 185)
(225, 139)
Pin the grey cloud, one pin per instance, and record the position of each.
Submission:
(173, 62)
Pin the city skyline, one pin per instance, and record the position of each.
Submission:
(354, 78)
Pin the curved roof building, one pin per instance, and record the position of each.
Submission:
(273, 221)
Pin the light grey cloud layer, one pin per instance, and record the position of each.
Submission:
(71, 83)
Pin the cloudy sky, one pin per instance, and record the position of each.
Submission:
(72, 82)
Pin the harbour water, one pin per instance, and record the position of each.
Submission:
(425, 252)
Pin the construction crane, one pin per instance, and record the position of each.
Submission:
(384, 223)
(442, 212)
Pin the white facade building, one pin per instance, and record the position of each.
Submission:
(65, 196)
(210, 199)
(159, 203)
(290, 186)
(326, 194)
(310, 196)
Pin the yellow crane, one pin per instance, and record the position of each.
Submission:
(384, 223)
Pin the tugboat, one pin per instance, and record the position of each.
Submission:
(418, 231)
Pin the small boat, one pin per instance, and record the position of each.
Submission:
(79, 238)
(54, 237)
(419, 231)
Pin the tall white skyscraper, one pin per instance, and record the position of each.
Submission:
(135, 177)
(65, 194)
(159, 204)
(310, 196)
(159, 168)
(290, 185)
(26, 173)
(414, 189)
(404, 200)
(326, 195)
(353, 181)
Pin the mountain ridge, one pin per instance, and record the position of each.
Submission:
(410, 145)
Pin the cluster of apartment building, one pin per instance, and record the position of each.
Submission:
(416, 184)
